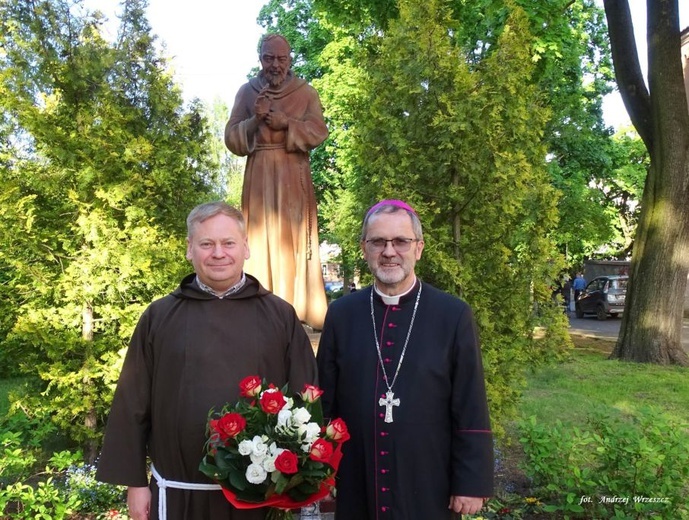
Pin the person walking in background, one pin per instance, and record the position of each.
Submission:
(188, 354)
(578, 285)
(400, 363)
(567, 292)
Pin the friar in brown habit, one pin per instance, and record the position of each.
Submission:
(188, 354)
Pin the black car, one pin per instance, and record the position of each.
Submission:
(604, 296)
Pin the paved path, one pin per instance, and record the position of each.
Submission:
(592, 327)
(609, 329)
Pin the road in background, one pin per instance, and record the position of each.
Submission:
(609, 329)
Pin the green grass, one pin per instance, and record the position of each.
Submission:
(571, 390)
(586, 385)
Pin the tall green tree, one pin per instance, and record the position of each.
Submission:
(572, 66)
(412, 117)
(103, 162)
(652, 323)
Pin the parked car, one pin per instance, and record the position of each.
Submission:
(604, 296)
(334, 286)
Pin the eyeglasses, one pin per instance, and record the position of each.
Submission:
(401, 245)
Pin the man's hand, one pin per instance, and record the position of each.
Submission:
(466, 505)
(276, 120)
(139, 502)
(262, 106)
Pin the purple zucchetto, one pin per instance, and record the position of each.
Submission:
(391, 202)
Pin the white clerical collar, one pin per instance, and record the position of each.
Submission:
(235, 288)
(393, 300)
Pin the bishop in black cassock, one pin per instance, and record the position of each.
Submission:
(439, 443)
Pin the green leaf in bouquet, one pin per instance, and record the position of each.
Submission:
(224, 460)
(313, 465)
(294, 481)
(316, 410)
(281, 483)
(303, 491)
(238, 481)
(250, 495)
(314, 473)
(309, 487)
(210, 470)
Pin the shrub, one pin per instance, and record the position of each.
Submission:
(61, 487)
(617, 468)
(65, 489)
(80, 481)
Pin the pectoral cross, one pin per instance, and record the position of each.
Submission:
(388, 402)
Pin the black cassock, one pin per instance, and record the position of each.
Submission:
(439, 443)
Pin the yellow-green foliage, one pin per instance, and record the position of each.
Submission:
(100, 164)
(464, 145)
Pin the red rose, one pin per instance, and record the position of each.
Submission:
(250, 386)
(229, 425)
(337, 431)
(286, 462)
(321, 451)
(310, 393)
(272, 401)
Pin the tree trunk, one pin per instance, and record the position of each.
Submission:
(652, 324)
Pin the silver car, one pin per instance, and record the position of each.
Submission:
(604, 296)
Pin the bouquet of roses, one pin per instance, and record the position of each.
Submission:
(269, 450)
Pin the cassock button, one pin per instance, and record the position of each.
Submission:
(384, 509)
(384, 471)
(394, 308)
(384, 489)
(381, 415)
(391, 325)
(387, 360)
(390, 343)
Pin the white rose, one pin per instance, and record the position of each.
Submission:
(310, 433)
(245, 447)
(255, 474)
(300, 416)
(269, 463)
(289, 403)
(284, 417)
(258, 446)
(313, 430)
(257, 459)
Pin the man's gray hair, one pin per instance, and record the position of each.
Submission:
(207, 210)
(389, 209)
